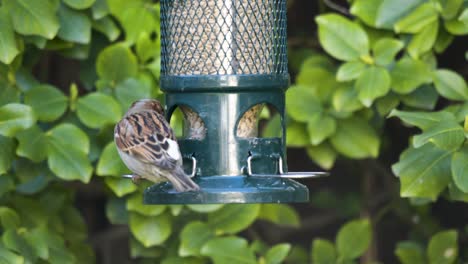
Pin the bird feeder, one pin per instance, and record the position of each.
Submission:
(222, 61)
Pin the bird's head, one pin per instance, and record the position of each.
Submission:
(146, 105)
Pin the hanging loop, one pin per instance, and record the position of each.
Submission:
(282, 174)
(194, 170)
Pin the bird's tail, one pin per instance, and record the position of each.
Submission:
(181, 181)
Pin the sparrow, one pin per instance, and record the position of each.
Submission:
(147, 145)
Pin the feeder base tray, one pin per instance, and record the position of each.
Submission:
(230, 189)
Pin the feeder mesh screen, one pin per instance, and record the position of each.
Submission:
(217, 37)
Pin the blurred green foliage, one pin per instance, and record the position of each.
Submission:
(380, 63)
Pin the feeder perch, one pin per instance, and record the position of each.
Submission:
(222, 61)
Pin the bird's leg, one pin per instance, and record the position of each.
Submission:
(136, 179)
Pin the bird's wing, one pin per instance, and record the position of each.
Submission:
(148, 137)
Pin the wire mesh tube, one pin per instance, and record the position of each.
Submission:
(223, 37)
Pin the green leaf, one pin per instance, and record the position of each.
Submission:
(233, 218)
(460, 168)
(131, 90)
(7, 256)
(345, 99)
(15, 241)
(443, 248)
(68, 147)
(228, 250)
(193, 237)
(408, 74)
(150, 231)
(110, 162)
(70, 136)
(324, 155)
(116, 63)
(443, 40)
(120, 186)
(301, 103)
(33, 17)
(450, 8)
(450, 85)
(373, 83)
(342, 38)
(296, 135)
(9, 219)
(75, 26)
(358, 231)
(135, 204)
(107, 27)
(317, 81)
(14, 118)
(448, 134)
(280, 214)
(456, 27)
(37, 238)
(425, 97)
(423, 120)
(410, 253)
(7, 153)
(320, 127)
(79, 4)
(390, 11)
(419, 18)
(423, 172)
(205, 208)
(277, 253)
(116, 211)
(100, 9)
(8, 47)
(48, 102)
(385, 50)
(96, 110)
(32, 144)
(8, 94)
(145, 47)
(386, 104)
(366, 10)
(424, 40)
(350, 71)
(355, 138)
(323, 252)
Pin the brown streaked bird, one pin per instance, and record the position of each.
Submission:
(147, 145)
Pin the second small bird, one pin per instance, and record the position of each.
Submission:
(148, 147)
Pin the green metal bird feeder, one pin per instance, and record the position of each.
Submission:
(222, 60)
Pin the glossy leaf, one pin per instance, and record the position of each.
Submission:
(10, 257)
(110, 162)
(48, 102)
(320, 127)
(32, 144)
(14, 118)
(70, 136)
(350, 71)
(410, 253)
(323, 252)
(74, 26)
(150, 231)
(96, 110)
(423, 120)
(16, 242)
(451, 85)
(447, 135)
(355, 138)
(443, 248)
(345, 99)
(233, 218)
(301, 103)
(358, 231)
(424, 171)
(193, 236)
(33, 17)
(366, 10)
(228, 250)
(131, 90)
(408, 74)
(205, 208)
(385, 50)
(277, 253)
(391, 11)
(107, 27)
(120, 186)
(450, 8)
(425, 97)
(9, 219)
(116, 211)
(116, 63)
(459, 169)
(342, 38)
(135, 204)
(279, 214)
(324, 155)
(8, 47)
(373, 83)
(424, 40)
(419, 18)
(296, 135)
